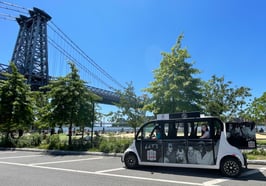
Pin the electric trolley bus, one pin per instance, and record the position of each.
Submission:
(185, 140)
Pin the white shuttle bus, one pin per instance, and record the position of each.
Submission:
(185, 140)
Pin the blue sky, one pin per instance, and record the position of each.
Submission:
(126, 37)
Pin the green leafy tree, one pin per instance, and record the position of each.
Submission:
(256, 111)
(175, 88)
(130, 107)
(40, 103)
(221, 99)
(70, 102)
(16, 109)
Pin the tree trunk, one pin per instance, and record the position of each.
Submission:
(70, 135)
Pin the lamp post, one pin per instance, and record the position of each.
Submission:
(92, 121)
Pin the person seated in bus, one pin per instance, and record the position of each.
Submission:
(205, 133)
(247, 132)
(156, 133)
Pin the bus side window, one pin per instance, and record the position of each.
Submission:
(180, 130)
(147, 131)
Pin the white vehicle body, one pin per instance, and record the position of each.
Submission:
(184, 147)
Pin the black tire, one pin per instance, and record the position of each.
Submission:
(230, 167)
(131, 161)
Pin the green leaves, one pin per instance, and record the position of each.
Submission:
(256, 110)
(175, 88)
(16, 108)
(70, 102)
(221, 99)
(131, 107)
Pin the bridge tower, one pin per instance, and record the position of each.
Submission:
(30, 54)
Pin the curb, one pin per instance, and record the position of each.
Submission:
(63, 152)
(257, 162)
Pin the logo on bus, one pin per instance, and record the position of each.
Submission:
(151, 155)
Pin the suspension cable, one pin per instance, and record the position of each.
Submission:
(83, 54)
(65, 53)
(16, 6)
(7, 17)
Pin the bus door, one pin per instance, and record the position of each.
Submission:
(149, 142)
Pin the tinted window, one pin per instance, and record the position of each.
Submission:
(241, 134)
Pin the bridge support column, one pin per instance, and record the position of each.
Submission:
(31, 50)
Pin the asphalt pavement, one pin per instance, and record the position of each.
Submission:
(31, 167)
(255, 162)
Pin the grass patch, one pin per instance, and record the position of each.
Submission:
(256, 154)
(255, 157)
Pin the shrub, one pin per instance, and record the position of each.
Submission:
(80, 144)
(53, 141)
(113, 144)
(23, 142)
(104, 147)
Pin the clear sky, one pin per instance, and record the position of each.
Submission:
(126, 37)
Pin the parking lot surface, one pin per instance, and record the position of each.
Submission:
(42, 168)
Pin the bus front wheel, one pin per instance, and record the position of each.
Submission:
(131, 161)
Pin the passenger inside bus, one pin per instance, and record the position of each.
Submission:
(156, 133)
(205, 132)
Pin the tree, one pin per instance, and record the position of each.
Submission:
(131, 107)
(257, 109)
(40, 103)
(70, 102)
(175, 88)
(16, 109)
(221, 99)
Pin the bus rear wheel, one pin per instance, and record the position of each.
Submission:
(131, 161)
(230, 167)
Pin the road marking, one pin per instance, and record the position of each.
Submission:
(7, 152)
(149, 179)
(104, 174)
(110, 170)
(215, 181)
(65, 161)
(16, 157)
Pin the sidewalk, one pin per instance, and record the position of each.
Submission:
(62, 152)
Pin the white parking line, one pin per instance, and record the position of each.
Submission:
(65, 161)
(150, 179)
(110, 170)
(104, 174)
(16, 157)
(7, 152)
(215, 181)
